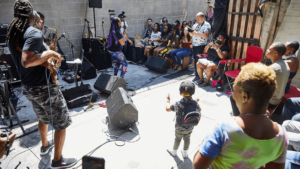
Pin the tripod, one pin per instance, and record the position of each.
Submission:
(8, 104)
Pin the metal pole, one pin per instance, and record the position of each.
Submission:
(94, 21)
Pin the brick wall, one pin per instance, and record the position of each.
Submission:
(68, 15)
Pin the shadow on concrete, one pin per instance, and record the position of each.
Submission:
(121, 135)
(45, 162)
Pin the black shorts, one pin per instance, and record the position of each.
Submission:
(39, 98)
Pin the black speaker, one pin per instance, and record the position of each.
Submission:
(79, 95)
(9, 60)
(3, 32)
(158, 64)
(95, 3)
(98, 58)
(107, 83)
(87, 71)
(134, 54)
(120, 109)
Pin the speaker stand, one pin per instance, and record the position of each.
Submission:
(94, 21)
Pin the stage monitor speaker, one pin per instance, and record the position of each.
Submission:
(88, 71)
(134, 54)
(95, 3)
(79, 95)
(14, 72)
(98, 58)
(121, 110)
(108, 84)
(3, 32)
(158, 64)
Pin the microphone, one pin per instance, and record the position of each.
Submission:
(111, 10)
(62, 36)
(86, 20)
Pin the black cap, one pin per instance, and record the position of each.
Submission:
(187, 86)
(164, 19)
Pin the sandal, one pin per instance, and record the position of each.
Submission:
(179, 68)
(204, 84)
(176, 67)
(199, 82)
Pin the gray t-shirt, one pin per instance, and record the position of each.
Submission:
(166, 37)
(282, 71)
(32, 41)
(178, 107)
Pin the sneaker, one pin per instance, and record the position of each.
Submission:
(172, 152)
(64, 163)
(45, 150)
(185, 153)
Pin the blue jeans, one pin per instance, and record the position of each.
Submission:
(291, 109)
(179, 54)
(292, 160)
(120, 58)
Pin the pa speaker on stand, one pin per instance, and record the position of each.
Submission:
(95, 3)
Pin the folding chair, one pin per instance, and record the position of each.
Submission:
(254, 54)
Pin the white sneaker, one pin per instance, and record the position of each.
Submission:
(172, 152)
(185, 153)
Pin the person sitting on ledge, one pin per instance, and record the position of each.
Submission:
(154, 40)
(190, 24)
(282, 70)
(166, 36)
(251, 140)
(291, 59)
(148, 30)
(164, 23)
(291, 109)
(216, 52)
(185, 49)
(184, 24)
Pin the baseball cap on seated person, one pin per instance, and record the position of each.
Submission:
(164, 19)
(187, 87)
(211, 5)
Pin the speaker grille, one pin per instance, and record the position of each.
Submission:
(158, 64)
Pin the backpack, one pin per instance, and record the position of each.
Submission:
(190, 116)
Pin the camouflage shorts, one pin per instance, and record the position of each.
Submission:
(39, 98)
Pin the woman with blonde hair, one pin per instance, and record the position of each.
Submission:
(250, 140)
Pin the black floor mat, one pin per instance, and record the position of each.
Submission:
(178, 74)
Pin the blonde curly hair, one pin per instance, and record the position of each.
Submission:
(258, 81)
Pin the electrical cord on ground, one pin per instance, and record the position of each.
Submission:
(129, 128)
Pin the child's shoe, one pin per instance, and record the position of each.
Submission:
(184, 153)
(172, 152)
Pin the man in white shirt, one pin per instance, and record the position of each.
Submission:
(124, 26)
(201, 32)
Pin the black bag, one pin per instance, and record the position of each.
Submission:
(190, 117)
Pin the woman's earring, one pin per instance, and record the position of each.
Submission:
(243, 101)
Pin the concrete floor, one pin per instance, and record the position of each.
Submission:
(156, 127)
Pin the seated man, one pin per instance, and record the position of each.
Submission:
(291, 59)
(216, 52)
(164, 23)
(148, 30)
(291, 109)
(282, 70)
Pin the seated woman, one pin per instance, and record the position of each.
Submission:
(190, 24)
(186, 45)
(291, 59)
(155, 36)
(216, 52)
(183, 25)
(250, 140)
(166, 36)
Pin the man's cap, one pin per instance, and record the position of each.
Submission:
(23, 8)
(187, 86)
(177, 22)
(211, 5)
(164, 19)
(120, 15)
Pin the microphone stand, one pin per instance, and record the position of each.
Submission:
(104, 48)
